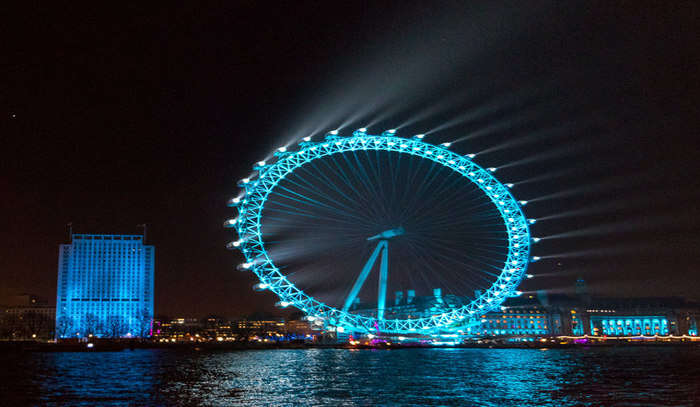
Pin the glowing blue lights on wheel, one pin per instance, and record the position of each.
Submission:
(270, 173)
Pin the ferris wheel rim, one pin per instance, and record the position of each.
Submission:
(251, 244)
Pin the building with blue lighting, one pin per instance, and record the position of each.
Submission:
(105, 287)
(542, 314)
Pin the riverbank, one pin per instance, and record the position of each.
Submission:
(112, 346)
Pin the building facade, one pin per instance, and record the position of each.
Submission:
(27, 317)
(105, 287)
(541, 314)
(215, 328)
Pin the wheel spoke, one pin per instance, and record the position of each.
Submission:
(452, 225)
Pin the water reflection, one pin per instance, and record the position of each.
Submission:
(485, 377)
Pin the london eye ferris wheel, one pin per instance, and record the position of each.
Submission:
(319, 220)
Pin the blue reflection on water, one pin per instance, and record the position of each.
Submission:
(485, 377)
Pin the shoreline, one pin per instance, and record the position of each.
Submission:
(115, 346)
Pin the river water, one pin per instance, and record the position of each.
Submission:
(471, 377)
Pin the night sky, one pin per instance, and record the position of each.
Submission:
(116, 117)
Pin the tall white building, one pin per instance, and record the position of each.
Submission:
(105, 287)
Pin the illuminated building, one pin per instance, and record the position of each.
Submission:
(543, 314)
(629, 326)
(551, 315)
(260, 327)
(105, 287)
(642, 316)
(28, 317)
(520, 318)
(212, 328)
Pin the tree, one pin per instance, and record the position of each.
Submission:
(91, 324)
(64, 326)
(145, 321)
(116, 327)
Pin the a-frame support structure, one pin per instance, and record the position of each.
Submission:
(383, 248)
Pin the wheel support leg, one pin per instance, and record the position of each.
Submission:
(362, 277)
(383, 275)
